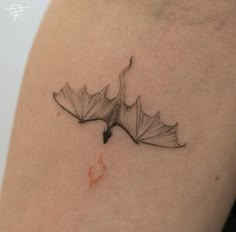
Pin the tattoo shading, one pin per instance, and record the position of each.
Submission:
(141, 127)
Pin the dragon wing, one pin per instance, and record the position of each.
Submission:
(84, 106)
(147, 129)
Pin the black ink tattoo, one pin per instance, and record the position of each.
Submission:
(141, 127)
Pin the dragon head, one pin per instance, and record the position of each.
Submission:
(106, 135)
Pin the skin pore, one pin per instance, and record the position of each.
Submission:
(184, 68)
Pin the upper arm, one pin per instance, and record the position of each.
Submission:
(186, 71)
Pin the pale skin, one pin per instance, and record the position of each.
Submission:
(185, 67)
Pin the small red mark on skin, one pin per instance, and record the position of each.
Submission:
(96, 171)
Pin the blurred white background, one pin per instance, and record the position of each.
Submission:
(16, 38)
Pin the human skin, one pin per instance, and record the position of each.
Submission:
(184, 67)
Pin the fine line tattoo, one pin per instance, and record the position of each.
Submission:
(141, 127)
